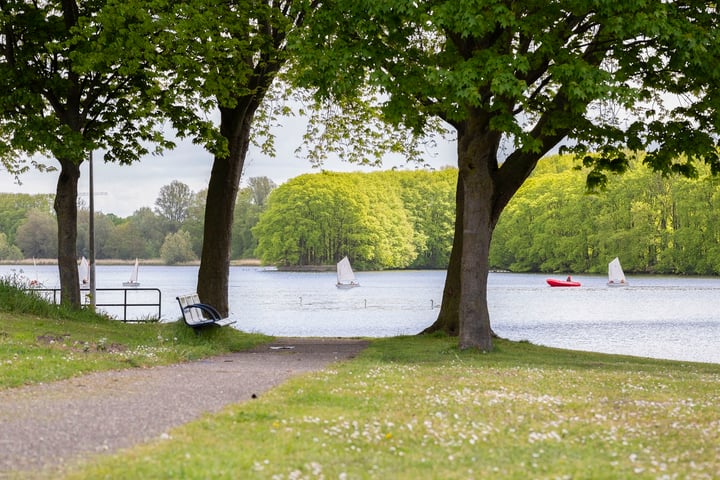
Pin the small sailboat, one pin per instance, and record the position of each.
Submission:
(345, 275)
(35, 283)
(84, 271)
(616, 276)
(133, 282)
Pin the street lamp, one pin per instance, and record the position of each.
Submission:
(91, 233)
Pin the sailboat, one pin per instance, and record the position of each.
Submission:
(616, 276)
(345, 275)
(84, 271)
(35, 283)
(133, 282)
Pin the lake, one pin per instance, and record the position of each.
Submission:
(661, 317)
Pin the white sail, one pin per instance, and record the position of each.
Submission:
(84, 271)
(35, 283)
(133, 282)
(616, 276)
(345, 274)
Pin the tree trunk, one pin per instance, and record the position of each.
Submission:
(448, 319)
(478, 168)
(214, 273)
(66, 211)
(474, 317)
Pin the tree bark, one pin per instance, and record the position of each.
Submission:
(66, 211)
(448, 319)
(476, 158)
(214, 273)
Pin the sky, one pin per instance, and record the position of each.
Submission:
(122, 190)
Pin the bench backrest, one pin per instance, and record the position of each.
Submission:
(191, 315)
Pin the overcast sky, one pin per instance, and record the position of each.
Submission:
(124, 189)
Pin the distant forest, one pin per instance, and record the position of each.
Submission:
(404, 219)
(654, 224)
(170, 230)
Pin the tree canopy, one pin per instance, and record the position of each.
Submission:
(516, 79)
(380, 220)
(68, 88)
(221, 56)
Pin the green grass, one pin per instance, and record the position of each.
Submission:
(40, 342)
(417, 408)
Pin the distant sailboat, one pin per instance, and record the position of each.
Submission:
(35, 283)
(345, 275)
(133, 282)
(616, 276)
(84, 271)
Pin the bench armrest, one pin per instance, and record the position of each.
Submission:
(209, 310)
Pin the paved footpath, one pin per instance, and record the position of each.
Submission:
(45, 426)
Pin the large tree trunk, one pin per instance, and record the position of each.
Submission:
(448, 319)
(475, 331)
(214, 273)
(66, 211)
(478, 173)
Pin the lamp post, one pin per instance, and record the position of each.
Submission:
(91, 233)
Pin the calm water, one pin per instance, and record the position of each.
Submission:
(662, 317)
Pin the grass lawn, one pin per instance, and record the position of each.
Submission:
(417, 408)
(407, 408)
(40, 342)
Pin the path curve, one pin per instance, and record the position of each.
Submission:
(45, 426)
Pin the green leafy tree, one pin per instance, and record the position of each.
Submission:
(392, 240)
(251, 202)
(312, 220)
(223, 55)
(151, 229)
(7, 250)
(246, 215)
(14, 208)
(67, 87)
(193, 223)
(173, 203)
(429, 199)
(317, 219)
(260, 188)
(177, 248)
(514, 80)
(104, 231)
(139, 236)
(37, 235)
(127, 242)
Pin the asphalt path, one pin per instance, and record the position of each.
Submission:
(46, 426)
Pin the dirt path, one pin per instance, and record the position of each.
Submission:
(45, 426)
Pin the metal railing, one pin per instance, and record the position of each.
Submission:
(101, 302)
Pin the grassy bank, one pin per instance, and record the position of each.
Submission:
(40, 342)
(417, 408)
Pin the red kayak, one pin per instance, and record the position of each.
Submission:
(562, 283)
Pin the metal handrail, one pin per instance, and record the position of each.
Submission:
(125, 304)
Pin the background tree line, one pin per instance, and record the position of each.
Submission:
(172, 230)
(402, 219)
(655, 224)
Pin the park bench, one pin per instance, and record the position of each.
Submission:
(198, 315)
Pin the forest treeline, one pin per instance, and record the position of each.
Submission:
(654, 224)
(404, 219)
(171, 230)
